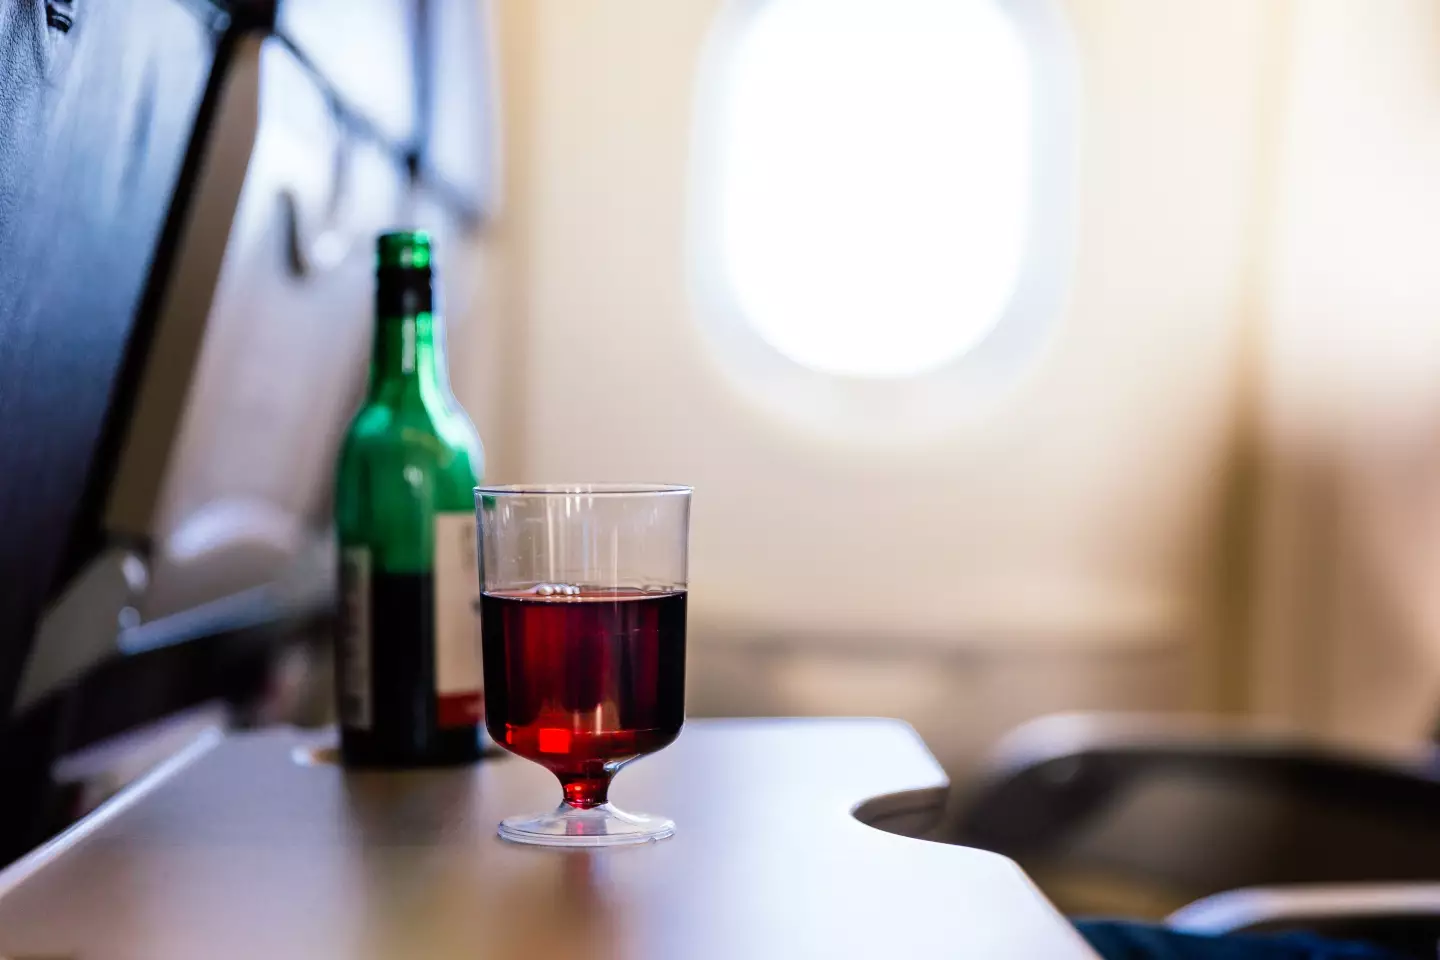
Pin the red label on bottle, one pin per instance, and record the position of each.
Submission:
(459, 710)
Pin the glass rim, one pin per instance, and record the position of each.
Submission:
(583, 489)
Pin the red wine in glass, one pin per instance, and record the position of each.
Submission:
(584, 679)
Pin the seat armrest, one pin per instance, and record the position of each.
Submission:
(1303, 905)
(1067, 734)
(1054, 776)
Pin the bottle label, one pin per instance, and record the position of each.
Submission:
(458, 678)
(356, 695)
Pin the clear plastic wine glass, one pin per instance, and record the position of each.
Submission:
(583, 632)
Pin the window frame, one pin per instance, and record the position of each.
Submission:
(979, 376)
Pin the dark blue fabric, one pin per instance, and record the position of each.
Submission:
(1134, 941)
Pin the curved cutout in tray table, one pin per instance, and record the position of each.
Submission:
(906, 813)
(244, 853)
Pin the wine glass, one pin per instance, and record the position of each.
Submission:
(583, 632)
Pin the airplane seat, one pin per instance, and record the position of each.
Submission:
(1141, 815)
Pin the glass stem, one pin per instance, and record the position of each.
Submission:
(585, 793)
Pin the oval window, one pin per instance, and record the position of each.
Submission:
(871, 178)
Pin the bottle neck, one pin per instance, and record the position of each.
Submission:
(408, 353)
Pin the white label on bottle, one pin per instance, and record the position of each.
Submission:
(356, 696)
(458, 678)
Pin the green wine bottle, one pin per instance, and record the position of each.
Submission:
(407, 658)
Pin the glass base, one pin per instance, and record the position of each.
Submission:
(601, 826)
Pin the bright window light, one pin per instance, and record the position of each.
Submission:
(874, 174)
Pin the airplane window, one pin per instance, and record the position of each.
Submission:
(872, 174)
